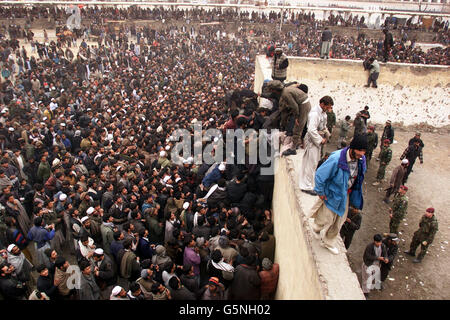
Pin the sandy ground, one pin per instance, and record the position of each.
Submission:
(427, 188)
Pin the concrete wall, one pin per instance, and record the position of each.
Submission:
(407, 94)
(299, 278)
(307, 270)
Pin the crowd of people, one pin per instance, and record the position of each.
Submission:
(304, 41)
(87, 178)
(87, 181)
(335, 179)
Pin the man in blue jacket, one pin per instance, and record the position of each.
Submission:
(338, 183)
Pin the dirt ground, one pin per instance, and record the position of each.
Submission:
(427, 185)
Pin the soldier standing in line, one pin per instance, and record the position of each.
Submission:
(351, 224)
(331, 120)
(398, 210)
(385, 158)
(344, 129)
(411, 153)
(372, 142)
(428, 227)
(388, 133)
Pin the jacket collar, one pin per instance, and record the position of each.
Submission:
(342, 163)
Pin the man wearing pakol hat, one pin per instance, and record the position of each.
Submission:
(391, 242)
(396, 179)
(428, 227)
(146, 282)
(338, 183)
(385, 157)
(416, 138)
(280, 64)
(269, 278)
(398, 210)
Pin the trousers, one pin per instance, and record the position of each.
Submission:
(327, 223)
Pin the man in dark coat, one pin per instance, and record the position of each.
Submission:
(351, 224)
(178, 291)
(10, 287)
(45, 282)
(411, 153)
(88, 288)
(391, 242)
(236, 189)
(104, 272)
(374, 254)
(246, 283)
(387, 44)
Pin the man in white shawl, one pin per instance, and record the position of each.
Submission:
(87, 247)
(315, 138)
(22, 266)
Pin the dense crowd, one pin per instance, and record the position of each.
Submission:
(87, 176)
(303, 40)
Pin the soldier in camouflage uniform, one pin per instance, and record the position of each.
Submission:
(428, 227)
(398, 210)
(331, 120)
(385, 158)
(372, 142)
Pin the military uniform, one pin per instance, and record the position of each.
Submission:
(331, 120)
(385, 158)
(372, 142)
(427, 230)
(399, 210)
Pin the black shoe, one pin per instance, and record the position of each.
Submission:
(410, 253)
(366, 85)
(386, 200)
(366, 295)
(311, 192)
(289, 152)
(375, 86)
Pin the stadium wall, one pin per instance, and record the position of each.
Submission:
(407, 94)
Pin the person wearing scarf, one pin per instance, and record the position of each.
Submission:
(20, 262)
(217, 267)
